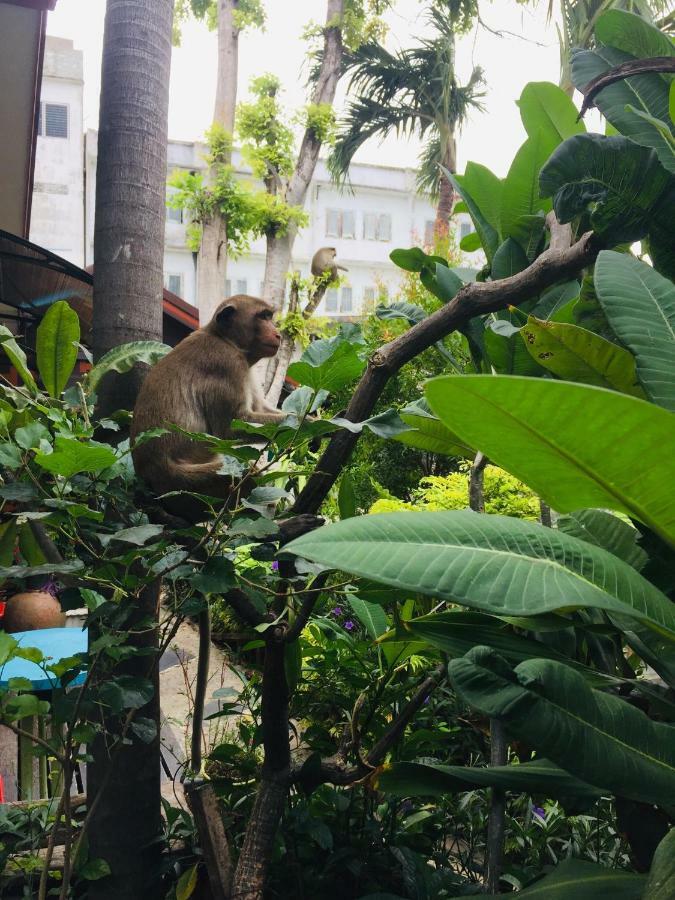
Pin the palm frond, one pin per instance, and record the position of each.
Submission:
(428, 180)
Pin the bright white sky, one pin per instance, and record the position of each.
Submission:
(491, 137)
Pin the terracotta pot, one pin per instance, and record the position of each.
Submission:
(32, 610)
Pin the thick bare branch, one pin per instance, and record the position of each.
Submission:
(618, 73)
(475, 299)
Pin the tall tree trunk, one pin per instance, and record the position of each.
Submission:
(124, 791)
(212, 259)
(446, 200)
(280, 248)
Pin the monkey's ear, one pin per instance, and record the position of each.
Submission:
(224, 315)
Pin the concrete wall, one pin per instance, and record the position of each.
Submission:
(57, 220)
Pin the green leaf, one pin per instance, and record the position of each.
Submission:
(504, 566)
(8, 646)
(414, 259)
(10, 456)
(29, 436)
(640, 307)
(71, 456)
(671, 102)
(7, 542)
(327, 371)
(470, 242)
(540, 776)
(568, 442)
(137, 535)
(595, 526)
(123, 358)
(64, 568)
(346, 496)
(456, 632)
(661, 881)
(509, 259)
(520, 194)
(17, 358)
(507, 352)
(429, 433)
(484, 214)
(633, 34)
(370, 615)
(145, 729)
(448, 283)
(578, 879)
(622, 185)
(58, 335)
(545, 107)
(555, 299)
(187, 883)
(575, 354)
(293, 664)
(551, 707)
(216, 577)
(126, 692)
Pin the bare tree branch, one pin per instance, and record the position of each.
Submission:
(475, 299)
(618, 73)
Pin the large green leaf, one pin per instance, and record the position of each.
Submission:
(537, 777)
(17, 358)
(596, 526)
(520, 193)
(503, 566)
(640, 306)
(509, 259)
(327, 367)
(622, 184)
(71, 456)
(577, 446)
(485, 184)
(428, 433)
(370, 615)
(123, 358)
(632, 105)
(578, 879)
(598, 737)
(507, 352)
(57, 337)
(547, 108)
(456, 632)
(577, 354)
(661, 881)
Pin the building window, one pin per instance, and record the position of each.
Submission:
(465, 229)
(331, 300)
(376, 227)
(53, 120)
(340, 223)
(429, 232)
(384, 227)
(346, 300)
(369, 295)
(241, 286)
(228, 287)
(174, 214)
(174, 282)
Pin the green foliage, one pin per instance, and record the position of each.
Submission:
(247, 14)
(320, 121)
(267, 141)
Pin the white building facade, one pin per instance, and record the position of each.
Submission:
(378, 212)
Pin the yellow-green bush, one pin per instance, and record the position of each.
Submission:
(504, 494)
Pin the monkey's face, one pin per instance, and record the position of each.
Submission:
(249, 323)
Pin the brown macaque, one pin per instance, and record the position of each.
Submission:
(324, 261)
(202, 385)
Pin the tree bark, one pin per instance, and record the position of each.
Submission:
(212, 258)
(124, 790)
(446, 199)
(280, 247)
(131, 184)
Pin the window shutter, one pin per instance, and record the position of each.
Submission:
(56, 120)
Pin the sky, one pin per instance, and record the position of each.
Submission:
(528, 52)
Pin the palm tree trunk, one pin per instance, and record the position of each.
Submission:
(124, 792)
(280, 247)
(212, 259)
(446, 200)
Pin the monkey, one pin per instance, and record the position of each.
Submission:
(202, 385)
(324, 261)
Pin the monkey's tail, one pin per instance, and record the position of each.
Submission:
(202, 476)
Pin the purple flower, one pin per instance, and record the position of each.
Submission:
(50, 587)
(538, 811)
(275, 566)
(349, 624)
(336, 611)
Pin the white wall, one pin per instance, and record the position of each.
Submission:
(57, 218)
(64, 205)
